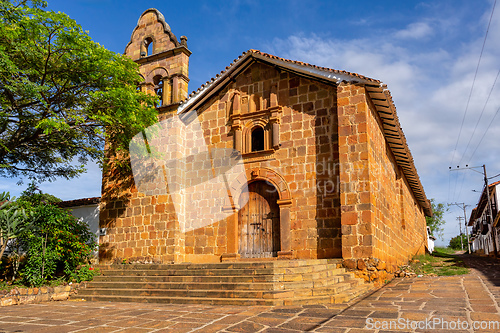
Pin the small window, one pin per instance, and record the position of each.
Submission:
(257, 139)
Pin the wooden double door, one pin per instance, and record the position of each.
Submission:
(259, 221)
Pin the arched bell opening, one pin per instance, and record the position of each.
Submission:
(158, 88)
(147, 47)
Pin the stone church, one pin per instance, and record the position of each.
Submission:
(324, 169)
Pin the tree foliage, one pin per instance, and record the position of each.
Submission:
(456, 244)
(436, 222)
(34, 196)
(61, 94)
(56, 243)
(13, 221)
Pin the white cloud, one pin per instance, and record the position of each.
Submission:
(416, 30)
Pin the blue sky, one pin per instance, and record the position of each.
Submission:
(425, 51)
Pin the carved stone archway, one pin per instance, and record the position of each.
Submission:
(284, 202)
(166, 83)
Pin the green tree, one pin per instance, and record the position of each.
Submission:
(56, 241)
(436, 222)
(34, 196)
(12, 221)
(456, 244)
(61, 94)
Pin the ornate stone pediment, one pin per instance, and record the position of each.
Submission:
(255, 123)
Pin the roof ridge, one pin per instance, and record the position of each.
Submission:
(495, 183)
(331, 75)
(271, 56)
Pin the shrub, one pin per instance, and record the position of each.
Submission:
(12, 221)
(57, 244)
(84, 273)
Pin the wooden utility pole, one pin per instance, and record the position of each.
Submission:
(459, 218)
(463, 205)
(490, 213)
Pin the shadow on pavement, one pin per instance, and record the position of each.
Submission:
(490, 267)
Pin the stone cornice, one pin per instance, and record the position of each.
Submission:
(164, 54)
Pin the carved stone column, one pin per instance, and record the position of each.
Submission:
(285, 234)
(231, 236)
(236, 124)
(273, 97)
(175, 89)
(167, 90)
(276, 135)
(237, 138)
(148, 87)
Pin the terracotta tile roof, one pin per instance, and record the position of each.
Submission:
(478, 210)
(79, 202)
(252, 52)
(472, 217)
(494, 184)
(378, 92)
(362, 77)
(382, 99)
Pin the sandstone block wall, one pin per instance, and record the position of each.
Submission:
(306, 158)
(152, 26)
(341, 192)
(304, 164)
(18, 296)
(381, 218)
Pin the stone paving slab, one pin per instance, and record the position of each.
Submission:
(437, 304)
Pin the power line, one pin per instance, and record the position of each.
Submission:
(473, 83)
(467, 106)
(480, 116)
(467, 168)
(462, 184)
(484, 134)
(475, 128)
(456, 183)
(494, 176)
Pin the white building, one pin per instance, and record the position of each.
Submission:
(485, 227)
(86, 210)
(430, 240)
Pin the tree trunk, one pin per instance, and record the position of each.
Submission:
(4, 246)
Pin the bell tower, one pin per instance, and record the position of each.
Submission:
(163, 60)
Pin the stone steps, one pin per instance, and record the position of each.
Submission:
(186, 300)
(209, 282)
(279, 282)
(325, 299)
(219, 276)
(221, 293)
(308, 272)
(229, 265)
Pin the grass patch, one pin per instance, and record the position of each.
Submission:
(443, 251)
(442, 262)
(4, 286)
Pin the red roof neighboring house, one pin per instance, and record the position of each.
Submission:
(482, 203)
